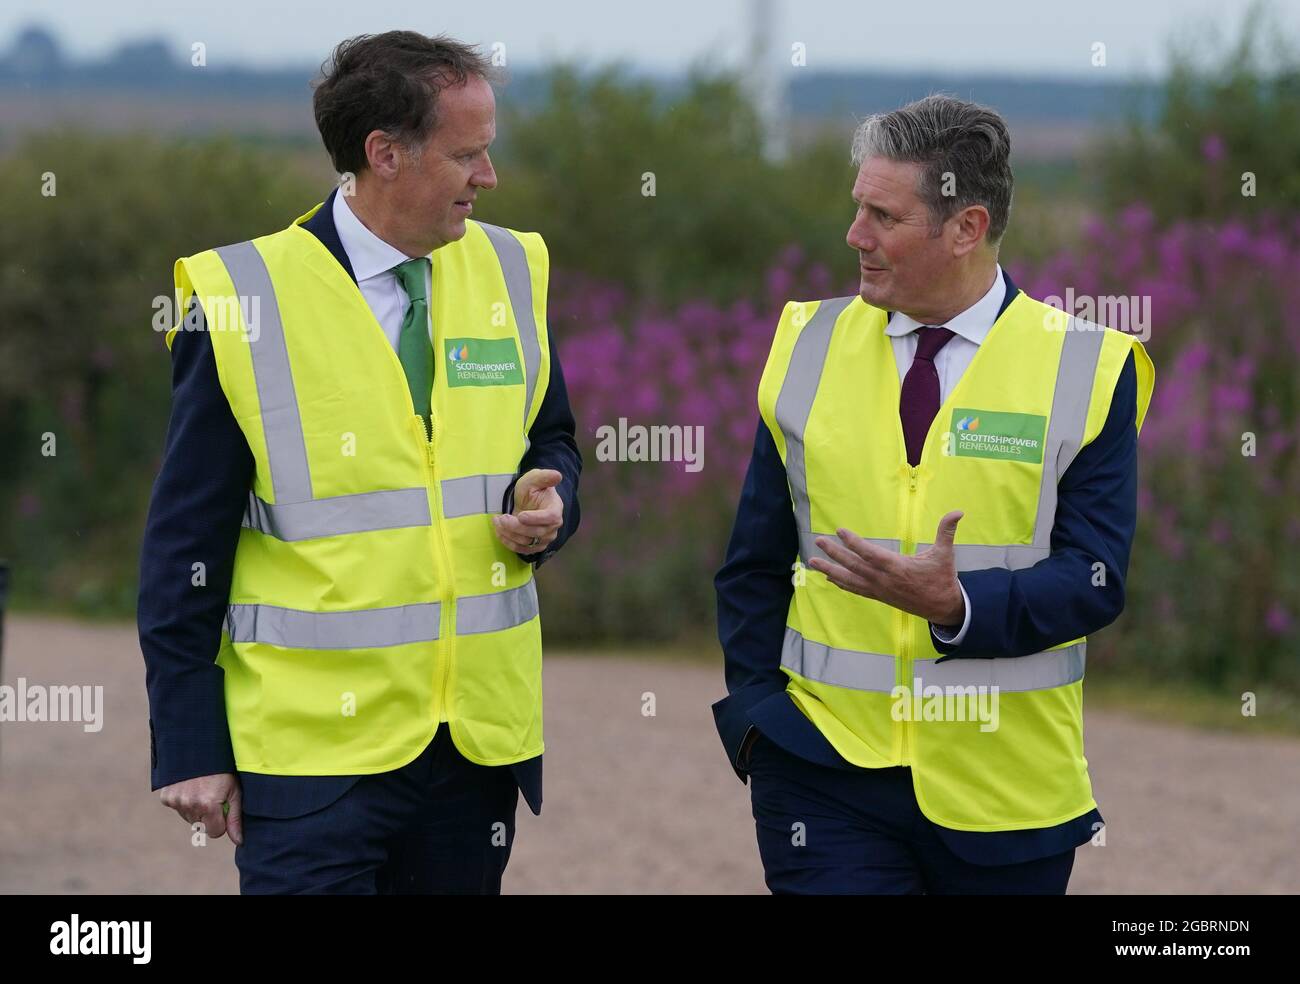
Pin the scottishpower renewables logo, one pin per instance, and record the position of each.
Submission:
(483, 362)
(1000, 436)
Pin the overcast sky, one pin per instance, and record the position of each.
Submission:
(1013, 36)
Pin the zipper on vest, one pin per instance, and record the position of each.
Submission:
(442, 685)
(905, 633)
(444, 565)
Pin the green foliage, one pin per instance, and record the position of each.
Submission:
(79, 357)
(1218, 120)
(576, 166)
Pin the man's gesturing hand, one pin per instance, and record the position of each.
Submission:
(924, 585)
(538, 515)
(200, 800)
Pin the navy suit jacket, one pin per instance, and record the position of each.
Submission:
(1013, 613)
(194, 515)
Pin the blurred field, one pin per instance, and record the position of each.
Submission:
(634, 804)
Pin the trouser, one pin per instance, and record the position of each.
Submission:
(833, 831)
(438, 825)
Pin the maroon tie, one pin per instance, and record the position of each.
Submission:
(920, 400)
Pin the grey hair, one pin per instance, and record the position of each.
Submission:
(947, 136)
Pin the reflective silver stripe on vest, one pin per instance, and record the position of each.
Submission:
(474, 494)
(794, 402)
(358, 513)
(875, 671)
(981, 556)
(367, 628)
(519, 287)
(1074, 378)
(838, 667)
(1010, 674)
(496, 611)
(374, 628)
(286, 450)
(808, 545)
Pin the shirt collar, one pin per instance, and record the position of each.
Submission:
(973, 324)
(369, 255)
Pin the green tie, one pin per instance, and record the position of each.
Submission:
(414, 348)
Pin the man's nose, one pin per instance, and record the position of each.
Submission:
(859, 238)
(485, 176)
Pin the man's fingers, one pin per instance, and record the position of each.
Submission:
(537, 500)
(527, 529)
(214, 820)
(207, 815)
(522, 541)
(868, 551)
(547, 478)
(529, 547)
(513, 540)
(947, 528)
(840, 577)
(538, 480)
(201, 800)
(505, 523)
(540, 518)
(845, 557)
(235, 819)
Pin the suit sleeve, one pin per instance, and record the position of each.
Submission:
(194, 518)
(1015, 613)
(754, 587)
(552, 444)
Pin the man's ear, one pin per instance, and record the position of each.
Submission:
(971, 228)
(384, 155)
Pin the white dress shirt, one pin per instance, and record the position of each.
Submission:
(372, 261)
(969, 328)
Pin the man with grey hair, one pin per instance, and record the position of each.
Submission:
(909, 702)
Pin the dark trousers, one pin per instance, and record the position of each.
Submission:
(835, 832)
(438, 825)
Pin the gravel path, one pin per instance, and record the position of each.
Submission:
(635, 803)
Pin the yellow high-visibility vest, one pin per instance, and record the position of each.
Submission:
(371, 598)
(864, 673)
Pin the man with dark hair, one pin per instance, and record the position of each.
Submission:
(370, 451)
(907, 696)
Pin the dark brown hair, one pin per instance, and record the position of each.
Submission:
(387, 82)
